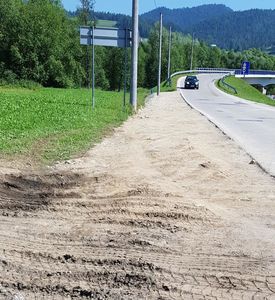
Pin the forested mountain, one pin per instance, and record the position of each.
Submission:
(213, 23)
(218, 24)
(183, 18)
(180, 19)
(253, 28)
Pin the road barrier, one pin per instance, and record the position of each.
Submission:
(226, 85)
(256, 72)
(204, 71)
(224, 71)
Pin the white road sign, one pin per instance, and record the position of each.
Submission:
(111, 37)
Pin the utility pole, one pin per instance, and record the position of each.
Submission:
(160, 53)
(192, 52)
(169, 56)
(134, 55)
(93, 68)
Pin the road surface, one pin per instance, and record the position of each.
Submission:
(250, 124)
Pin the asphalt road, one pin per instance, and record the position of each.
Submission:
(250, 124)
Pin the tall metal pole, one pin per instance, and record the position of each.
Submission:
(160, 53)
(134, 55)
(93, 69)
(125, 67)
(192, 52)
(169, 56)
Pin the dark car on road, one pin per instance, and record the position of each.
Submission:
(191, 82)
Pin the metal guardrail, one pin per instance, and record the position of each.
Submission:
(256, 72)
(224, 70)
(238, 71)
(215, 70)
(230, 87)
(181, 72)
(204, 71)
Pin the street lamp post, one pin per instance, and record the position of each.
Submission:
(160, 54)
(169, 56)
(192, 52)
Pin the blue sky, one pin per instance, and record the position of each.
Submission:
(124, 6)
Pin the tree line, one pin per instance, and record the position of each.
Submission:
(39, 41)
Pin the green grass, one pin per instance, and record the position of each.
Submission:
(165, 87)
(56, 124)
(245, 90)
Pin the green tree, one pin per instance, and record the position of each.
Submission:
(85, 15)
(153, 56)
(143, 49)
(86, 11)
(40, 42)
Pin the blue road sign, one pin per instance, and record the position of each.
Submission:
(245, 67)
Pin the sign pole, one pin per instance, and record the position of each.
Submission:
(134, 55)
(245, 68)
(160, 53)
(125, 68)
(112, 37)
(93, 69)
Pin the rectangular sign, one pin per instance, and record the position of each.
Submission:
(110, 37)
(245, 67)
(121, 43)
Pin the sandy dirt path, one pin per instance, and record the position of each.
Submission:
(167, 207)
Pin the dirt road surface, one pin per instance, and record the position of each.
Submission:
(167, 207)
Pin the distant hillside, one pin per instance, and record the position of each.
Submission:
(239, 30)
(180, 19)
(122, 21)
(220, 25)
(213, 23)
(183, 18)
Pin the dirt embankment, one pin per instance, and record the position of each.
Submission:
(166, 208)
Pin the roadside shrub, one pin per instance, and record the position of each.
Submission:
(10, 80)
(9, 77)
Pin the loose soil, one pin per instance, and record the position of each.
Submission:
(167, 208)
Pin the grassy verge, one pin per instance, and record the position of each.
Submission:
(245, 90)
(55, 124)
(165, 87)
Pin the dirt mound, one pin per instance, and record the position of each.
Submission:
(34, 192)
